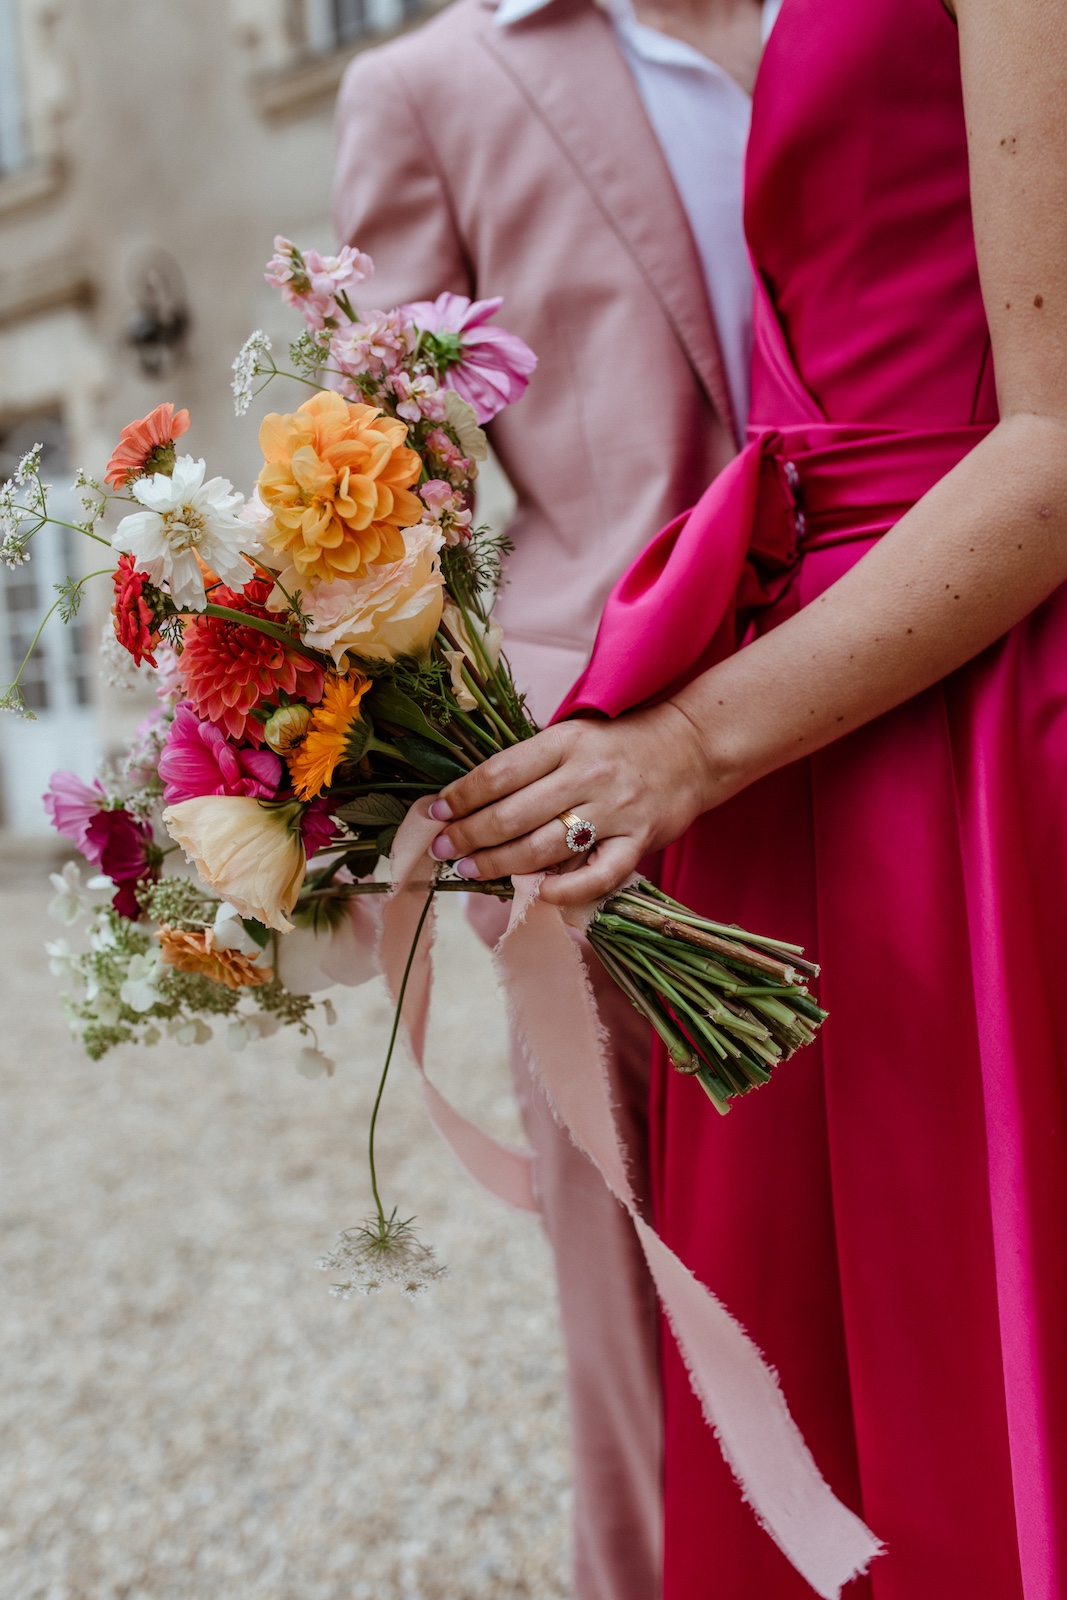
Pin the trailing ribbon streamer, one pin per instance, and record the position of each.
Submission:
(740, 1395)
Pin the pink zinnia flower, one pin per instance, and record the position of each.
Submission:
(493, 367)
(71, 806)
(198, 759)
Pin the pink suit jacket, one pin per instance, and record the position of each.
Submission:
(520, 162)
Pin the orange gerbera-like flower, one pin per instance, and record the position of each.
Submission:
(337, 480)
(146, 446)
(227, 670)
(312, 763)
(198, 952)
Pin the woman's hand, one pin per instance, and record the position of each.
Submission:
(640, 779)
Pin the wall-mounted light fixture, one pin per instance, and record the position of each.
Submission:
(159, 328)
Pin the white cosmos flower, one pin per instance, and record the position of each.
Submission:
(186, 517)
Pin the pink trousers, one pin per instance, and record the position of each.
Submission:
(607, 1309)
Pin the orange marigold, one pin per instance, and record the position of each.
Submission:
(198, 952)
(312, 763)
(337, 479)
(146, 446)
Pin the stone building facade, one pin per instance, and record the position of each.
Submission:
(148, 154)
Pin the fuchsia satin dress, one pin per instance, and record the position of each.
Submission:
(889, 1217)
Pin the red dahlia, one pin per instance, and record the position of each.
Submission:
(134, 617)
(228, 670)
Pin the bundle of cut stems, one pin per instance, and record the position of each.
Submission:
(728, 1005)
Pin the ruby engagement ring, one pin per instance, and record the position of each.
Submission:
(581, 835)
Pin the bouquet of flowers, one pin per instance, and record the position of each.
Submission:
(324, 654)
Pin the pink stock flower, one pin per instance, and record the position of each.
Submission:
(312, 283)
(316, 827)
(198, 759)
(71, 806)
(124, 850)
(418, 398)
(491, 368)
(376, 346)
(451, 457)
(446, 510)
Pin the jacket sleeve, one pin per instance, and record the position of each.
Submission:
(390, 195)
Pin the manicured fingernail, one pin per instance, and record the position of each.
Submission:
(442, 848)
(441, 811)
(467, 868)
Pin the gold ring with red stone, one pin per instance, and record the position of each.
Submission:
(581, 835)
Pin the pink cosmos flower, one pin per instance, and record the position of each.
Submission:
(198, 759)
(124, 850)
(493, 367)
(313, 283)
(71, 806)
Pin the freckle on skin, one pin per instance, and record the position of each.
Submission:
(911, 630)
(1044, 511)
(1039, 301)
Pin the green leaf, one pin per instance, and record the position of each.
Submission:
(428, 759)
(393, 705)
(372, 811)
(384, 841)
(256, 931)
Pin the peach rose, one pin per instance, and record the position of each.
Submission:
(392, 611)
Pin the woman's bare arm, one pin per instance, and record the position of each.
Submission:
(972, 558)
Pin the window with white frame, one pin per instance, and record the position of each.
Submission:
(56, 678)
(332, 24)
(13, 149)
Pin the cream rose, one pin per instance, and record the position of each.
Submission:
(392, 612)
(250, 853)
(490, 638)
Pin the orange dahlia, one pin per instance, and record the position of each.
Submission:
(313, 762)
(228, 670)
(146, 446)
(197, 952)
(337, 479)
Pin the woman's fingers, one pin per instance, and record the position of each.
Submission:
(546, 847)
(609, 865)
(501, 775)
(514, 817)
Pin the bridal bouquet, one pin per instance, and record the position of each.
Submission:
(323, 654)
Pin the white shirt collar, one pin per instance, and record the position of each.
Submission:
(509, 11)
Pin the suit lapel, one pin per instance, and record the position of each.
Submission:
(567, 63)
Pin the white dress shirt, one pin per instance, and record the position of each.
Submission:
(701, 117)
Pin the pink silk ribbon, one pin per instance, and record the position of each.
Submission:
(538, 959)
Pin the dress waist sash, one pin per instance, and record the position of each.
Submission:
(696, 592)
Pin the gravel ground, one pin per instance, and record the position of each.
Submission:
(184, 1411)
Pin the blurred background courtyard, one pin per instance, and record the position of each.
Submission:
(184, 1411)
